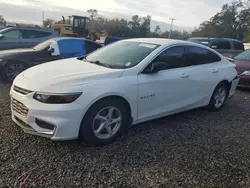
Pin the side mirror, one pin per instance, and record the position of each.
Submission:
(1, 35)
(154, 67)
(51, 50)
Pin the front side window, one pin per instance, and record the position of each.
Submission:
(172, 58)
(199, 56)
(14, 34)
(243, 56)
(122, 54)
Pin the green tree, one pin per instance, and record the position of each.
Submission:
(232, 21)
(2, 21)
(48, 22)
(92, 13)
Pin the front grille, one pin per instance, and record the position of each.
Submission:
(21, 90)
(19, 107)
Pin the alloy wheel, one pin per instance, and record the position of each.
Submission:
(107, 122)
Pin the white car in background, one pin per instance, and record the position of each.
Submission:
(99, 96)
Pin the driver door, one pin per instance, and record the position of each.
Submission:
(11, 39)
(165, 91)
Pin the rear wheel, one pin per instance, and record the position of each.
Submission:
(219, 97)
(104, 122)
(12, 69)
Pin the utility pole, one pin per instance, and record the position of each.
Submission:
(42, 17)
(172, 20)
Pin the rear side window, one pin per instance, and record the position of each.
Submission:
(91, 46)
(172, 58)
(199, 56)
(238, 45)
(221, 44)
(31, 34)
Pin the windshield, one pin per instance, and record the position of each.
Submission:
(123, 54)
(43, 45)
(200, 41)
(243, 56)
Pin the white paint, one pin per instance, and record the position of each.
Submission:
(150, 96)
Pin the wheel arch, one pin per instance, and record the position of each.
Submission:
(118, 96)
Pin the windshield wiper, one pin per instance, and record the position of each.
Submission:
(99, 63)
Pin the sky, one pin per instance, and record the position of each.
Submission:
(188, 13)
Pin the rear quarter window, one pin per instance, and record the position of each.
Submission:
(238, 45)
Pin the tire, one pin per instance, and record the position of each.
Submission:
(90, 124)
(214, 105)
(16, 67)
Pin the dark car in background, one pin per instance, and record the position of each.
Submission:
(13, 62)
(227, 47)
(24, 37)
(242, 62)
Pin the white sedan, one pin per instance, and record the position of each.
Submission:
(99, 96)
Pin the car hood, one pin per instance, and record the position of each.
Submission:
(15, 51)
(62, 73)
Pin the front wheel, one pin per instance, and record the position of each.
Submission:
(104, 122)
(219, 97)
(11, 70)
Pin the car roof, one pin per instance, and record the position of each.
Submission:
(207, 38)
(31, 28)
(67, 38)
(158, 41)
(161, 41)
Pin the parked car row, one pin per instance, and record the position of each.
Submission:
(100, 95)
(227, 47)
(13, 62)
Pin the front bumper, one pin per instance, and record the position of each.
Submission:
(65, 119)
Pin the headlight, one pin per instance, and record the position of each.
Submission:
(56, 98)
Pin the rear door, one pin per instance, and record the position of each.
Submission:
(32, 37)
(224, 47)
(204, 74)
(29, 38)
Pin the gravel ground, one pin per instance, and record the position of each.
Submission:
(192, 149)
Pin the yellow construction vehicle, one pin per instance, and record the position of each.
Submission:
(64, 30)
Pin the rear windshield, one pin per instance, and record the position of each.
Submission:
(243, 56)
(200, 41)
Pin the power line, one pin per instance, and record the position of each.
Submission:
(172, 20)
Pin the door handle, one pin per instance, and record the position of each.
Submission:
(215, 70)
(184, 75)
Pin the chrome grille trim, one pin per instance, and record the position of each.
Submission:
(21, 90)
(19, 107)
